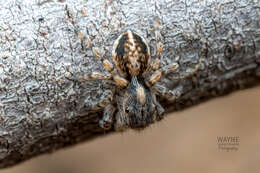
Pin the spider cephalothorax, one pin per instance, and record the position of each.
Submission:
(139, 107)
(134, 104)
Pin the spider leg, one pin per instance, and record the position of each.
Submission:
(159, 46)
(157, 61)
(122, 121)
(159, 109)
(118, 80)
(108, 116)
(192, 72)
(156, 76)
(95, 76)
(84, 41)
(169, 94)
(107, 64)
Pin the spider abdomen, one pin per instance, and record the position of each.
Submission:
(131, 54)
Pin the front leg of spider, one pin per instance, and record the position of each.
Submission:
(108, 117)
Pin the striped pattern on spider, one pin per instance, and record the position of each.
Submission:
(134, 104)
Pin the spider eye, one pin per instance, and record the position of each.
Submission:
(126, 110)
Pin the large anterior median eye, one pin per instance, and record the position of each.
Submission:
(127, 110)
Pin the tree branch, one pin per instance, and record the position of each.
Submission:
(42, 110)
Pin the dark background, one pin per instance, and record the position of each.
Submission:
(183, 142)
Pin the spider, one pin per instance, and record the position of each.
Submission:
(134, 104)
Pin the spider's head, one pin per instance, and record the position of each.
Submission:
(138, 108)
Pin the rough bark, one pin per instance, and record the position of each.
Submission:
(42, 110)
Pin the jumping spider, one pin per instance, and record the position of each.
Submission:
(134, 104)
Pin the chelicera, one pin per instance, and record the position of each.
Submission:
(135, 75)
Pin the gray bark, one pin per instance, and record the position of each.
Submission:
(42, 110)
